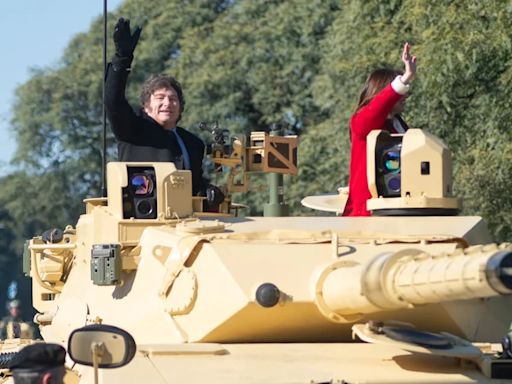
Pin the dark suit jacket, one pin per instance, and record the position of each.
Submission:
(140, 138)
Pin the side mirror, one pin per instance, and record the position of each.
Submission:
(101, 346)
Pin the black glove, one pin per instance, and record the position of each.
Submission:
(124, 40)
(214, 197)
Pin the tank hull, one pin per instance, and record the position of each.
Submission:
(291, 363)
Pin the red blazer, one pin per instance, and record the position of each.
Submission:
(372, 116)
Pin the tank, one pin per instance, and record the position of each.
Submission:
(414, 293)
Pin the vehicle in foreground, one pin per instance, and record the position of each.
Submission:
(419, 297)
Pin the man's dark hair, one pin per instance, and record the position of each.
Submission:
(26, 376)
(156, 82)
(31, 363)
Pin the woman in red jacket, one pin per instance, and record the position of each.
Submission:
(380, 104)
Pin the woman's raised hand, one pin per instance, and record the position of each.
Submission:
(410, 64)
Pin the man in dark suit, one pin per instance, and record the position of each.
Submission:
(152, 134)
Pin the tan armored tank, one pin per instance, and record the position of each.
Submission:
(414, 298)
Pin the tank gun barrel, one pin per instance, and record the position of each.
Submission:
(411, 277)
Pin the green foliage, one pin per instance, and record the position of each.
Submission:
(248, 64)
(463, 95)
(30, 204)
(253, 67)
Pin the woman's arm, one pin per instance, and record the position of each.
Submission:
(373, 115)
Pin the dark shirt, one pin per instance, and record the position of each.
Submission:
(140, 138)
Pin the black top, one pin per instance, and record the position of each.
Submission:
(39, 356)
(140, 137)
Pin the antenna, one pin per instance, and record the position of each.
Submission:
(104, 121)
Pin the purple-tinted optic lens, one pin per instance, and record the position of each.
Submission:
(394, 184)
(142, 184)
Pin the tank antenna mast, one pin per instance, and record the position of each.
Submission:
(104, 121)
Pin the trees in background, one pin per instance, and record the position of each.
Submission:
(249, 64)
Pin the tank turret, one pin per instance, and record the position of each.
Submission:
(279, 299)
